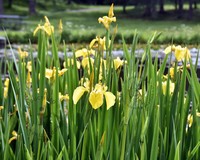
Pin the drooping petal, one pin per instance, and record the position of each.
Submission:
(168, 50)
(96, 99)
(92, 43)
(61, 72)
(81, 52)
(37, 29)
(86, 62)
(110, 99)
(78, 93)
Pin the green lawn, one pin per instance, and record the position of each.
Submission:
(81, 24)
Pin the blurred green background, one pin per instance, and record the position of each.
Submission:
(80, 19)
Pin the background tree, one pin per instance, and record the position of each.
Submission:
(32, 5)
(1, 6)
(190, 9)
(124, 5)
(69, 1)
(161, 6)
(10, 3)
(180, 7)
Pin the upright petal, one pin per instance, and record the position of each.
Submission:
(111, 13)
(60, 27)
(78, 93)
(110, 99)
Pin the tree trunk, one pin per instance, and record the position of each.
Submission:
(176, 4)
(190, 9)
(161, 3)
(1, 6)
(150, 10)
(124, 6)
(69, 1)
(180, 5)
(147, 11)
(54, 2)
(10, 3)
(195, 4)
(99, 2)
(180, 8)
(32, 4)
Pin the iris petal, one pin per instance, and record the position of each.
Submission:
(110, 99)
(78, 93)
(168, 50)
(96, 99)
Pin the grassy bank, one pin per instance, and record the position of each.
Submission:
(80, 24)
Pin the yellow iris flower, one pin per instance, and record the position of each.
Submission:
(29, 79)
(118, 63)
(96, 95)
(63, 97)
(51, 73)
(6, 87)
(99, 43)
(47, 27)
(180, 53)
(84, 53)
(171, 87)
(171, 72)
(1, 108)
(29, 66)
(87, 61)
(14, 136)
(107, 20)
(22, 54)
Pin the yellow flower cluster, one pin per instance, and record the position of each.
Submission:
(180, 53)
(51, 73)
